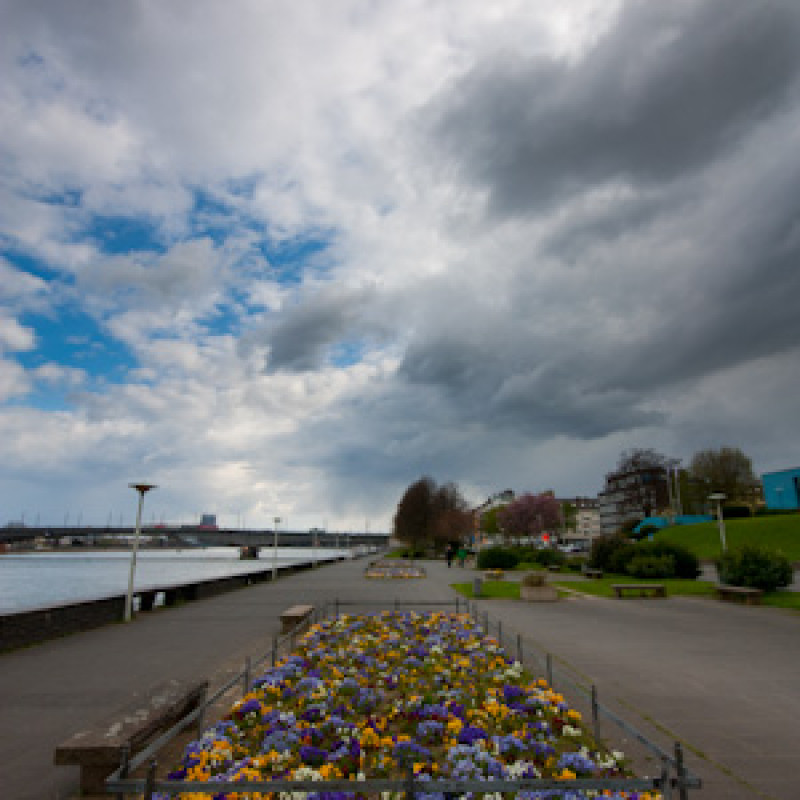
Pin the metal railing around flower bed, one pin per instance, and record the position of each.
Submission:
(674, 780)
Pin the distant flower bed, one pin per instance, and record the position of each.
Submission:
(393, 571)
(372, 696)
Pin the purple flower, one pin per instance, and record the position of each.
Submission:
(315, 756)
(470, 734)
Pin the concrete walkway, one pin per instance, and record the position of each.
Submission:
(722, 678)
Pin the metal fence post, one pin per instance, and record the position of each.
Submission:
(150, 781)
(336, 615)
(274, 649)
(549, 668)
(680, 769)
(410, 783)
(486, 622)
(500, 633)
(519, 648)
(202, 712)
(123, 766)
(595, 717)
(666, 782)
(246, 675)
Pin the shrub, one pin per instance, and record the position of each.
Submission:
(575, 563)
(614, 554)
(547, 556)
(687, 565)
(756, 567)
(644, 566)
(604, 549)
(497, 558)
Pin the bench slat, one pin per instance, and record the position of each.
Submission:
(98, 749)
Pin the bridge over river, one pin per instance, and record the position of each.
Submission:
(195, 536)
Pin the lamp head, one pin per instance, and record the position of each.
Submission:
(142, 488)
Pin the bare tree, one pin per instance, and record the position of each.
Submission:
(726, 470)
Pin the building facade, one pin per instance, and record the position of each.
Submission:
(782, 489)
(631, 496)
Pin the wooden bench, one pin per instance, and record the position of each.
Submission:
(293, 616)
(591, 572)
(739, 594)
(98, 749)
(642, 589)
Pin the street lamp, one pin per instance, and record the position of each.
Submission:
(142, 488)
(719, 497)
(275, 549)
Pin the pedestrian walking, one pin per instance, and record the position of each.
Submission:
(462, 555)
(449, 553)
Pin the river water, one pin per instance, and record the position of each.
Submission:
(41, 580)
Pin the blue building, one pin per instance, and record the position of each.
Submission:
(782, 489)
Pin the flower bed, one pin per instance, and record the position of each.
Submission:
(372, 696)
(393, 571)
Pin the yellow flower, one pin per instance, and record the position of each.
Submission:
(566, 775)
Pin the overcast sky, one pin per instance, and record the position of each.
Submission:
(284, 258)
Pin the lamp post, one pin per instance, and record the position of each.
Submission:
(718, 497)
(142, 488)
(275, 549)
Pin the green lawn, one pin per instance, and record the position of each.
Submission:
(601, 587)
(674, 586)
(490, 589)
(780, 533)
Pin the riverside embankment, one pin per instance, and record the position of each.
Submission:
(720, 677)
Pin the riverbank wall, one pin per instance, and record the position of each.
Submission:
(25, 628)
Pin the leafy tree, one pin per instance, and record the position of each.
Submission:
(430, 513)
(727, 470)
(414, 515)
(530, 514)
(489, 521)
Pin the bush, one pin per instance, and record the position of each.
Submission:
(614, 554)
(497, 558)
(575, 563)
(547, 557)
(687, 565)
(604, 549)
(644, 566)
(755, 567)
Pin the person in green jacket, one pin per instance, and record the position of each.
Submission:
(462, 555)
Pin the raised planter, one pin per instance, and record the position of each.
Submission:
(538, 594)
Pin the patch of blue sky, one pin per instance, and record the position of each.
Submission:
(25, 262)
(290, 259)
(74, 339)
(44, 397)
(211, 216)
(348, 353)
(116, 235)
(224, 319)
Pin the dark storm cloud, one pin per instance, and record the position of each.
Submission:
(304, 334)
(669, 88)
(741, 304)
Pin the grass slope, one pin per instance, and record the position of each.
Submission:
(780, 533)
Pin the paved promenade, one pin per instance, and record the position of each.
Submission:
(722, 678)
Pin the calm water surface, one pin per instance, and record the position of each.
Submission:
(37, 580)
